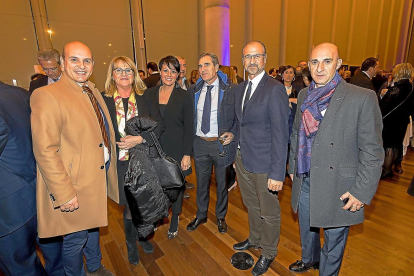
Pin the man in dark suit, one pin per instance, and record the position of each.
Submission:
(49, 59)
(262, 110)
(279, 75)
(369, 68)
(153, 75)
(18, 223)
(213, 117)
(239, 79)
(335, 160)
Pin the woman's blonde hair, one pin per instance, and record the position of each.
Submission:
(229, 72)
(138, 86)
(403, 71)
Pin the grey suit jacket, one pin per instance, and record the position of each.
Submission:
(347, 155)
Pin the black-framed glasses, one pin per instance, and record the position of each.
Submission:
(119, 71)
(256, 56)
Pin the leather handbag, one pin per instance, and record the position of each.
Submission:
(169, 170)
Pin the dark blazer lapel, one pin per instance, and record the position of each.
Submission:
(239, 100)
(259, 88)
(333, 106)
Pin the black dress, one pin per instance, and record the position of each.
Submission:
(397, 105)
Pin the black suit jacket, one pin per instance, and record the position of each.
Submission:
(177, 139)
(152, 80)
(145, 109)
(362, 80)
(34, 84)
(263, 130)
(17, 163)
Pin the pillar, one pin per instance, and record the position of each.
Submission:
(217, 29)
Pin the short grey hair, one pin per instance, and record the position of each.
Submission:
(49, 54)
(214, 58)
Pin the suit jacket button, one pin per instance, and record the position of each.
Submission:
(102, 167)
(331, 168)
(100, 145)
(331, 144)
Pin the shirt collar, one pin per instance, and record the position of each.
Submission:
(215, 83)
(366, 74)
(255, 81)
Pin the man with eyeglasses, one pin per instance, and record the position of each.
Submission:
(262, 110)
(49, 59)
(335, 160)
(74, 146)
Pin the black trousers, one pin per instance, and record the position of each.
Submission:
(206, 156)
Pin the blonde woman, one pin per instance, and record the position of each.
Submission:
(124, 97)
(397, 104)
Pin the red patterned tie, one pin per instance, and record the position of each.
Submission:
(98, 113)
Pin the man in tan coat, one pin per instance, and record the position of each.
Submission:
(74, 146)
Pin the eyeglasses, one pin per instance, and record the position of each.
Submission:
(54, 69)
(119, 71)
(256, 56)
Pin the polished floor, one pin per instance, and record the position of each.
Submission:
(382, 245)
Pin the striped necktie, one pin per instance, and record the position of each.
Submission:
(98, 113)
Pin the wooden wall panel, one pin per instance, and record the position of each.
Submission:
(323, 22)
(343, 21)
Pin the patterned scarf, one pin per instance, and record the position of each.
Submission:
(316, 100)
(120, 118)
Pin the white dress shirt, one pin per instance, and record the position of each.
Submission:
(214, 105)
(255, 82)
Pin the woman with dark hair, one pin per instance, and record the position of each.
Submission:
(306, 75)
(176, 107)
(397, 104)
(288, 76)
(124, 97)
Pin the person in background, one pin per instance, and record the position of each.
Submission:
(239, 79)
(307, 78)
(363, 78)
(153, 75)
(182, 80)
(194, 77)
(347, 76)
(125, 98)
(141, 74)
(273, 72)
(397, 104)
(49, 60)
(176, 108)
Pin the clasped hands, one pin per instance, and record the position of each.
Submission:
(129, 141)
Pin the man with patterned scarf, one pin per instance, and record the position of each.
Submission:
(335, 160)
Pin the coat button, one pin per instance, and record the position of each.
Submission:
(100, 145)
(331, 144)
(102, 167)
(331, 168)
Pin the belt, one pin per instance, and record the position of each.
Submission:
(209, 139)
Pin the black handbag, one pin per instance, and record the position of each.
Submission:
(168, 170)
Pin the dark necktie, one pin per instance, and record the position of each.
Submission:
(205, 121)
(247, 97)
(98, 113)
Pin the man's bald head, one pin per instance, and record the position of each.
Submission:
(77, 61)
(323, 63)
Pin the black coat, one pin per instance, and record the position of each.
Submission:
(145, 109)
(395, 123)
(146, 199)
(152, 80)
(39, 82)
(177, 139)
(362, 80)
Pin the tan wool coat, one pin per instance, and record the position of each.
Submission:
(68, 146)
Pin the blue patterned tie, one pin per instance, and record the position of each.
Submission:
(205, 121)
